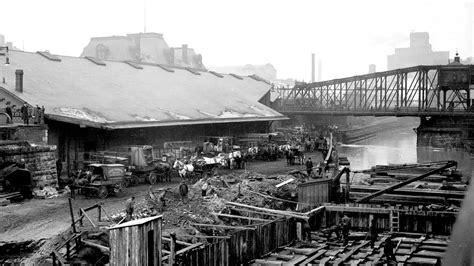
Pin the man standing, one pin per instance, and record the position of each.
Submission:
(388, 250)
(373, 234)
(24, 113)
(183, 191)
(9, 112)
(204, 189)
(309, 167)
(59, 167)
(129, 207)
(346, 226)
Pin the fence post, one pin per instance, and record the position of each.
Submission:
(99, 209)
(172, 248)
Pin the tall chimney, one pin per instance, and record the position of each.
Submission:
(19, 80)
(313, 70)
(184, 53)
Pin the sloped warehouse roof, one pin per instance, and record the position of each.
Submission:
(124, 95)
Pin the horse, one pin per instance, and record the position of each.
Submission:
(163, 170)
(183, 169)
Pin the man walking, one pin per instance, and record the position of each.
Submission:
(309, 167)
(129, 207)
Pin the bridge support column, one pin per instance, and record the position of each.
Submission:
(446, 132)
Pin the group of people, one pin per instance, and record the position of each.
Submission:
(36, 112)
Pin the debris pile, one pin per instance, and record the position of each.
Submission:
(247, 188)
(45, 193)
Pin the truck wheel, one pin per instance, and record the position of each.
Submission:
(126, 182)
(134, 180)
(102, 192)
(152, 178)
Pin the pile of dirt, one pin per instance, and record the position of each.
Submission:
(247, 188)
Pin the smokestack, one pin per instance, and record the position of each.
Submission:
(320, 70)
(19, 80)
(184, 53)
(313, 70)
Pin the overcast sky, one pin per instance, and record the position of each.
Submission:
(347, 35)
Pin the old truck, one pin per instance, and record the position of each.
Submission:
(100, 180)
(140, 163)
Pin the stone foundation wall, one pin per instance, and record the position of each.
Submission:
(40, 160)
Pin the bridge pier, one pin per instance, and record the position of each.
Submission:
(446, 132)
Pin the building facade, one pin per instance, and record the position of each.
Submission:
(419, 53)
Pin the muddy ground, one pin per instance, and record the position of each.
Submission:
(38, 219)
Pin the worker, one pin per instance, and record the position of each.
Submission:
(373, 233)
(24, 179)
(334, 229)
(59, 167)
(183, 191)
(346, 225)
(24, 113)
(129, 207)
(388, 250)
(309, 166)
(204, 188)
(9, 112)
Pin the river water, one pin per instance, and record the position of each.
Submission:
(398, 147)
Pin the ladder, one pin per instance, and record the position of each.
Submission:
(394, 221)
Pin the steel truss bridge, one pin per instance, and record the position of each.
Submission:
(444, 90)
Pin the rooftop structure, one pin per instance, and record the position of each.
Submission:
(110, 94)
(147, 47)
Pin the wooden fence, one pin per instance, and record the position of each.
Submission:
(212, 254)
(242, 246)
(247, 245)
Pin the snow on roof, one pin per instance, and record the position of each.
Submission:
(118, 95)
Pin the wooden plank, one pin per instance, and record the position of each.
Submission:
(240, 217)
(319, 253)
(177, 241)
(223, 226)
(349, 254)
(92, 244)
(88, 218)
(256, 212)
(404, 183)
(60, 257)
(181, 251)
(285, 213)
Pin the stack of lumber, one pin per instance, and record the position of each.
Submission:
(409, 248)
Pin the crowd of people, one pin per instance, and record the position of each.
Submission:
(33, 114)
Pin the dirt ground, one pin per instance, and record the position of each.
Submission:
(45, 218)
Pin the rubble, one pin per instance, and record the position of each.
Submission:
(45, 193)
(246, 188)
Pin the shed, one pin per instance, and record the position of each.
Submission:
(136, 242)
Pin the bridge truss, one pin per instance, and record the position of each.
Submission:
(414, 91)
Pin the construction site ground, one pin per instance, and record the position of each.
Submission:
(39, 219)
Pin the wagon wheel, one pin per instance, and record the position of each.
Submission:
(152, 178)
(134, 180)
(127, 182)
(102, 192)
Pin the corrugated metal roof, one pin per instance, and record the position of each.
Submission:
(119, 96)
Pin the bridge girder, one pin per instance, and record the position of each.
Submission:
(414, 91)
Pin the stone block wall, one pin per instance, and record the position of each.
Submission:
(39, 159)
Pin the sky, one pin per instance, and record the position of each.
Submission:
(346, 35)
